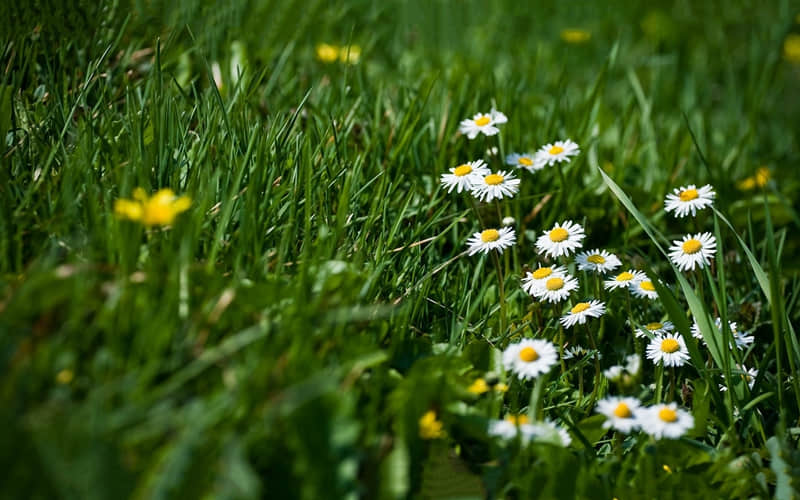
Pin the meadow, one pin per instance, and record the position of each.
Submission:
(399, 249)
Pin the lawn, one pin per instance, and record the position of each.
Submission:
(399, 249)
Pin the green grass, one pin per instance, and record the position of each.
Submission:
(283, 337)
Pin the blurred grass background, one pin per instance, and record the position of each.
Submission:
(283, 337)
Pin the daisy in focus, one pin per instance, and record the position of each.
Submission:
(556, 289)
(557, 152)
(525, 160)
(530, 358)
(582, 312)
(460, 178)
(494, 186)
(482, 123)
(688, 199)
(491, 239)
(644, 289)
(598, 261)
(624, 279)
(563, 239)
(669, 349)
(620, 413)
(539, 277)
(693, 251)
(161, 209)
(653, 329)
(666, 421)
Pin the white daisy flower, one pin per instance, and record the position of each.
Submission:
(530, 358)
(644, 289)
(460, 177)
(583, 311)
(482, 123)
(558, 152)
(563, 239)
(556, 288)
(491, 239)
(621, 413)
(740, 339)
(689, 199)
(666, 421)
(693, 251)
(539, 277)
(624, 279)
(548, 432)
(494, 186)
(599, 261)
(577, 351)
(524, 160)
(669, 349)
(655, 328)
(614, 373)
(633, 364)
(510, 427)
(748, 376)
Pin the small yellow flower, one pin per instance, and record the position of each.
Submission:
(478, 387)
(501, 387)
(157, 210)
(791, 48)
(327, 53)
(429, 426)
(759, 179)
(667, 469)
(575, 35)
(350, 54)
(65, 376)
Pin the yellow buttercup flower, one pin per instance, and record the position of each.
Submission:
(759, 179)
(327, 53)
(575, 35)
(791, 48)
(429, 426)
(157, 210)
(478, 387)
(350, 54)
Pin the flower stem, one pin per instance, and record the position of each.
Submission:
(501, 292)
(596, 386)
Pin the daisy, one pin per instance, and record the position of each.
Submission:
(556, 288)
(748, 376)
(539, 277)
(491, 239)
(666, 421)
(511, 427)
(524, 160)
(689, 199)
(578, 351)
(530, 358)
(598, 261)
(482, 123)
(563, 239)
(740, 339)
(494, 186)
(559, 151)
(548, 432)
(624, 279)
(693, 251)
(653, 329)
(633, 364)
(621, 413)
(583, 311)
(670, 349)
(460, 177)
(644, 289)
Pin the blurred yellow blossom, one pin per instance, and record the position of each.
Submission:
(157, 210)
(575, 35)
(759, 179)
(501, 387)
(429, 426)
(791, 48)
(65, 376)
(328, 53)
(478, 387)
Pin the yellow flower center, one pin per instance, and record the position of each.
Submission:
(490, 235)
(622, 411)
(626, 276)
(528, 354)
(493, 179)
(667, 415)
(558, 234)
(654, 326)
(692, 246)
(554, 284)
(483, 120)
(689, 195)
(647, 285)
(669, 345)
(580, 307)
(524, 160)
(596, 259)
(555, 150)
(462, 170)
(542, 272)
(517, 420)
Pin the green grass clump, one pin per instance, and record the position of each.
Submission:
(283, 336)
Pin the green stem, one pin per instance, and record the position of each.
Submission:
(596, 386)
(501, 291)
